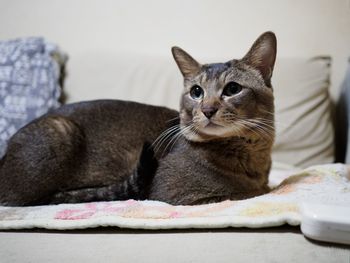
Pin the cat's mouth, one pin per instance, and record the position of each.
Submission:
(200, 128)
(216, 129)
(212, 124)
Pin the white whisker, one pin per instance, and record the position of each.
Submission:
(164, 136)
(173, 119)
(177, 135)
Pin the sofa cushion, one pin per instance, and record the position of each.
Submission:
(304, 127)
(28, 83)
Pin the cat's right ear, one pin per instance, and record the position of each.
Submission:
(188, 66)
(262, 55)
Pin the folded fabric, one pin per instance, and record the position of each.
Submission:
(326, 184)
(29, 83)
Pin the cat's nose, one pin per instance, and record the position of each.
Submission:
(209, 111)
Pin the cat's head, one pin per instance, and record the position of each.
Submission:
(229, 99)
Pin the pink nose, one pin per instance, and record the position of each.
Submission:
(209, 111)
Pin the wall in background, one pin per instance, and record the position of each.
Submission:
(208, 29)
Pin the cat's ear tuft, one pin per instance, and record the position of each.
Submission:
(188, 66)
(262, 55)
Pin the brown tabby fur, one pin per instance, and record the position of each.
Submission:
(114, 150)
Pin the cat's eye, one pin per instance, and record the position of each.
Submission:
(196, 92)
(232, 88)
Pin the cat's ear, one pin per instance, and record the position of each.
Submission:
(188, 66)
(262, 55)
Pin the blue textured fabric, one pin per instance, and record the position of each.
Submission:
(28, 84)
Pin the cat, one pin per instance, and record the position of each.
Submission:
(217, 147)
(223, 148)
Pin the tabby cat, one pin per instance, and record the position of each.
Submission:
(217, 147)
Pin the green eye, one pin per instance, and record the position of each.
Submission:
(232, 88)
(196, 92)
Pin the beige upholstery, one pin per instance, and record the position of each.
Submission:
(304, 129)
(303, 112)
(153, 80)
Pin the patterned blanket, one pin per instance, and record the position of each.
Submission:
(326, 184)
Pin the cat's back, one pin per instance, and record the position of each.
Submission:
(114, 110)
(118, 117)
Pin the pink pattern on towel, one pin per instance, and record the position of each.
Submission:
(90, 209)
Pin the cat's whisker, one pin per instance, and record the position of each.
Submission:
(265, 123)
(165, 133)
(157, 144)
(268, 112)
(177, 135)
(179, 132)
(259, 133)
(176, 118)
(164, 140)
(260, 124)
(264, 120)
(234, 121)
(278, 123)
(268, 125)
(228, 114)
(182, 133)
(237, 129)
(264, 132)
(244, 125)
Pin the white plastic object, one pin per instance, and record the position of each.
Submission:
(330, 223)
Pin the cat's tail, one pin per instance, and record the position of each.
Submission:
(1, 162)
(140, 181)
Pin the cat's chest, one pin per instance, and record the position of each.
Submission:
(220, 156)
(227, 154)
(227, 150)
(233, 152)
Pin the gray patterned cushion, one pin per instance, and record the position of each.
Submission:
(28, 84)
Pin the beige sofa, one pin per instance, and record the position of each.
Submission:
(94, 32)
(304, 137)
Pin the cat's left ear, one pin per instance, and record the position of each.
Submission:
(262, 55)
(188, 66)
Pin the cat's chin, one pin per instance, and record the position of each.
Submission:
(210, 132)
